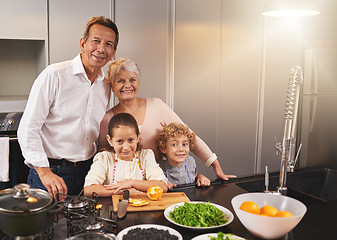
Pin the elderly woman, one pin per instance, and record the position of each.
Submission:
(151, 113)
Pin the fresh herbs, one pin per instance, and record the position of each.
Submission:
(219, 237)
(222, 236)
(198, 215)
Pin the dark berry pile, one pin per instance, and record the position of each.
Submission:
(148, 233)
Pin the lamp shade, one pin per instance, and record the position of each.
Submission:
(290, 8)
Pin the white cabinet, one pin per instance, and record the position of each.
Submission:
(197, 68)
(22, 19)
(23, 47)
(144, 37)
(25, 37)
(217, 61)
(238, 108)
(67, 21)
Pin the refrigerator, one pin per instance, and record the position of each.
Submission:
(317, 127)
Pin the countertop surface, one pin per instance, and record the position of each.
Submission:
(318, 223)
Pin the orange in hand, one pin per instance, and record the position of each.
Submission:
(250, 207)
(154, 192)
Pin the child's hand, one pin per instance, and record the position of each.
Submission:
(203, 181)
(170, 185)
(111, 186)
(134, 191)
(119, 187)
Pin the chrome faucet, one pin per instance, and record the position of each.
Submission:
(288, 146)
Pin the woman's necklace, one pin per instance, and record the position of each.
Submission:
(135, 158)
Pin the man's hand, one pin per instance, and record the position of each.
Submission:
(52, 182)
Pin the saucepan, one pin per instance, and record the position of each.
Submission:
(26, 211)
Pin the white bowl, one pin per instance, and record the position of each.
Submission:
(228, 215)
(145, 226)
(264, 226)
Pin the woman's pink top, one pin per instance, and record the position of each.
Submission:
(157, 114)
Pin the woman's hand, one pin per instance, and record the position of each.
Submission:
(218, 171)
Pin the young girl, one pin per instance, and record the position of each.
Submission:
(175, 141)
(125, 165)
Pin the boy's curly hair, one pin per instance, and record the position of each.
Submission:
(174, 130)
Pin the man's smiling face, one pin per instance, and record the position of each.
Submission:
(99, 47)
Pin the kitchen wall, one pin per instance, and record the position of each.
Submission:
(222, 66)
(318, 129)
(217, 77)
(227, 71)
(23, 47)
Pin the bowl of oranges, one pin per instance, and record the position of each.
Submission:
(268, 216)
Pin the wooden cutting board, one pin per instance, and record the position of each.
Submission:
(165, 201)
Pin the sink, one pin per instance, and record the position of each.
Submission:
(309, 186)
(321, 183)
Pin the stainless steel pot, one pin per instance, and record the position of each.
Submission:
(26, 211)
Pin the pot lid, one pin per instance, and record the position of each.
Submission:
(93, 235)
(23, 199)
(76, 202)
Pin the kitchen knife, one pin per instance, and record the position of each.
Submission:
(123, 205)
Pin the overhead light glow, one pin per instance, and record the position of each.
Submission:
(290, 8)
(290, 13)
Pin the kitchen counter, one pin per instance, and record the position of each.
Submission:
(318, 223)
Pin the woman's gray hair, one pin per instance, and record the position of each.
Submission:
(116, 65)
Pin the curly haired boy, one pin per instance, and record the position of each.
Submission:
(175, 142)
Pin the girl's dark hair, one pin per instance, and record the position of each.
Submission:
(123, 119)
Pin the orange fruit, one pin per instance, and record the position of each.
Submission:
(284, 214)
(250, 207)
(138, 202)
(268, 211)
(154, 192)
